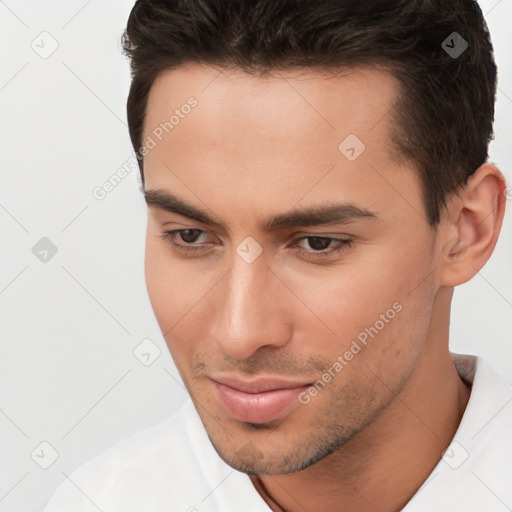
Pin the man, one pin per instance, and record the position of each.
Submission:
(317, 184)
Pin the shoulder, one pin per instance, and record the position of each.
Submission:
(475, 471)
(160, 465)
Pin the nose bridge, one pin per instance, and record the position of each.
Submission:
(248, 314)
(245, 300)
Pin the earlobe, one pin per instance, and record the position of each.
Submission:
(472, 225)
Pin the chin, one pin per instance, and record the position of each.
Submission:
(262, 457)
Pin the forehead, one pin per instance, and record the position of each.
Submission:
(274, 139)
(302, 100)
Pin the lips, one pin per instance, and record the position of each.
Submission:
(258, 401)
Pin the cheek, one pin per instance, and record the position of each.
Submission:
(167, 295)
(383, 295)
(163, 283)
(178, 292)
(156, 275)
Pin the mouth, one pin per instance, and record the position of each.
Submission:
(257, 401)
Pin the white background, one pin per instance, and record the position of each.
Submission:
(68, 327)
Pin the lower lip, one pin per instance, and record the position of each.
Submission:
(257, 407)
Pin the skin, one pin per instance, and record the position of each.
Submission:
(255, 147)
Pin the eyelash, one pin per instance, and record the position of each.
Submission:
(343, 244)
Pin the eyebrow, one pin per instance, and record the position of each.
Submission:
(341, 213)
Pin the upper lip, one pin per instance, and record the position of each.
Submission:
(258, 385)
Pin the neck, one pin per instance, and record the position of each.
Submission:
(383, 466)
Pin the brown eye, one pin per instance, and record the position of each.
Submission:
(189, 238)
(319, 243)
(189, 235)
(324, 247)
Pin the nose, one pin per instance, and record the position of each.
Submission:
(251, 312)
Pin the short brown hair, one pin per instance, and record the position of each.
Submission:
(443, 120)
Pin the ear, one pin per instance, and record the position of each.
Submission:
(471, 225)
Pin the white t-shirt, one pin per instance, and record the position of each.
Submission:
(173, 467)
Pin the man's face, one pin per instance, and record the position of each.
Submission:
(252, 323)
